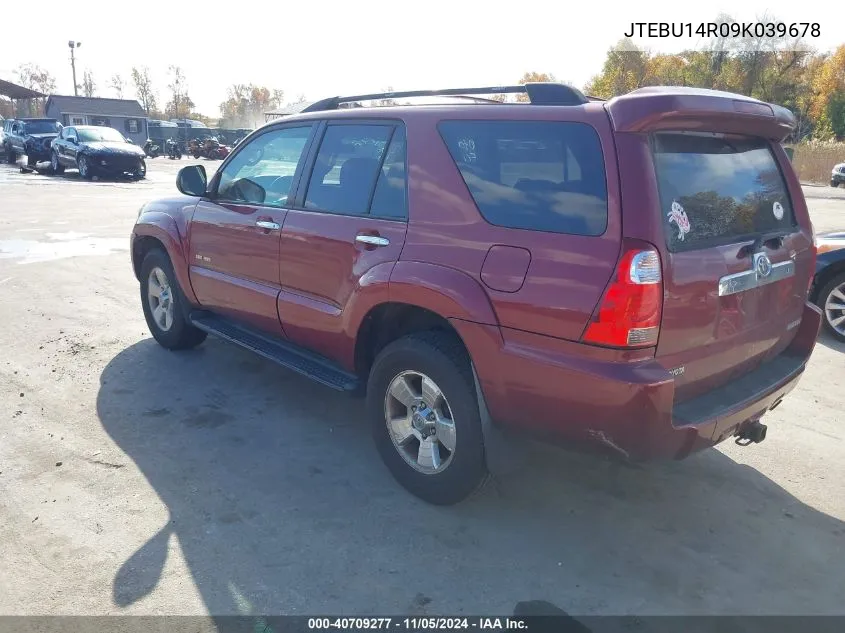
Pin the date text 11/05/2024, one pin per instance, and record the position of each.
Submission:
(421, 623)
(724, 29)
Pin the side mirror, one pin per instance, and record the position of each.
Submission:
(192, 180)
(72, 139)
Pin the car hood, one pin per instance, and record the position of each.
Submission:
(106, 147)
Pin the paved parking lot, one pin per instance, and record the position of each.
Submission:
(135, 480)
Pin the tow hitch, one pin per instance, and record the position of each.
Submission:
(754, 432)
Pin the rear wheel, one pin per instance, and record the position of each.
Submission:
(165, 308)
(832, 303)
(423, 410)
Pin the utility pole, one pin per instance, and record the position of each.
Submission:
(74, 45)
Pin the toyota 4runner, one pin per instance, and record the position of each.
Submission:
(628, 275)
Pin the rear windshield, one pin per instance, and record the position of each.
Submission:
(717, 190)
(536, 175)
(41, 127)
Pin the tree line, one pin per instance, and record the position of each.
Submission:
(785, 72)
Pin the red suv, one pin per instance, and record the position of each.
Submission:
(629, 275)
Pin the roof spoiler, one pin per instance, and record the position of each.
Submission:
(664, 108)
(539, 93)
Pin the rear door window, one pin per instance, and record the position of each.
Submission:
(717, 190)
(347, 167)
(535, 175)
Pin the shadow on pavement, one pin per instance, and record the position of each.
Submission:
(281, 505)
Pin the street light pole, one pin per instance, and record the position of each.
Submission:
(74, 45)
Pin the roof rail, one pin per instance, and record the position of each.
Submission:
(539, 93)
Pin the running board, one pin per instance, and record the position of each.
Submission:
(285, 354)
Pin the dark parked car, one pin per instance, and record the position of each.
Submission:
(602, 274)
(97, 150)
(837, 175)
(828, 289)
(31, 137)
(5, 129)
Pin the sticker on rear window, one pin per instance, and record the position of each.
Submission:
(679, 217)
(777, 210)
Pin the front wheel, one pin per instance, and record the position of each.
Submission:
(423, 409)
(11, 156)
(55, 166)
(165, 308)
(84, 167)
(832, 303)
(141, 170)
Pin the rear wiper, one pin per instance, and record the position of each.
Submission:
(772, 239)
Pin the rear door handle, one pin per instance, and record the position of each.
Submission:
(270, 226)
(372, 240)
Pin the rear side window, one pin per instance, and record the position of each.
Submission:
(535, 175)
(717, 190)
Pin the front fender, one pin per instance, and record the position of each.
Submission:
(448, 292)
(165, 229)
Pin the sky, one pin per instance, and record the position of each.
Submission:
(328, 47)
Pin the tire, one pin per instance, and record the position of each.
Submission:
(11, 156)
(141, 171)
(55, 166)
(837, 284)
(440, 357)
(84, 167)
(180, 334)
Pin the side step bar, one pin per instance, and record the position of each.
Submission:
(285, 354)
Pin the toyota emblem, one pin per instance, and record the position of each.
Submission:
(762, 265)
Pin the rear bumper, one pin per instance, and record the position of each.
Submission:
(573, 394)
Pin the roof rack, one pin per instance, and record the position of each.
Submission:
(539, 93)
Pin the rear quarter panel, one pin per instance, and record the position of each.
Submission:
(567, 274)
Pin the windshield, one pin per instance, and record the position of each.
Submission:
(41, 127)
(100, 134)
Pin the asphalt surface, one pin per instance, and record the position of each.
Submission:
(135, 480)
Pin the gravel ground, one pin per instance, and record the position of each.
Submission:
(138, 481)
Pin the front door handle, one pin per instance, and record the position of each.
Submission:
(372, 240)
(270, 226)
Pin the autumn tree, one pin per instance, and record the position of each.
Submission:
(827, 103)
(36, 78)
(89, 86)
(116, 84)
(180, 104)
(144, 89)
(532, 77)
(246, 104)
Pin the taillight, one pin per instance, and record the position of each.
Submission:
(629, 314)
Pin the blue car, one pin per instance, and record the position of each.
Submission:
(828, 288)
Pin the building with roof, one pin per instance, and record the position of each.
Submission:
(124, 115)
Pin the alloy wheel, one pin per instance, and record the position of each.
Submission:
(420, 423)
(834, 309)
(160, 298)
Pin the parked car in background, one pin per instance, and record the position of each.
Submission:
(837, 175)
(601, 274)
(828, 289)
(96, 150)
(32, 138)
(5, 130)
